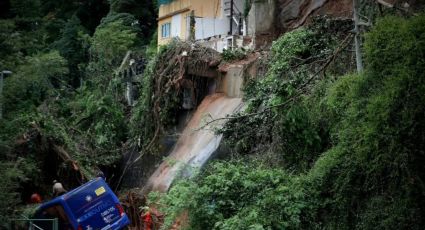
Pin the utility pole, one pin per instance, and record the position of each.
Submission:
(2, 76)
(359, 59)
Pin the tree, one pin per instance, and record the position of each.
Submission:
(26, 8)
(71, 46)
(33, 81)
(144, 11)
(110, 42)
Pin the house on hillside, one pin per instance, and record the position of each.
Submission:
(218, 23)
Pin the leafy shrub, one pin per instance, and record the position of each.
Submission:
(34, 82)
(291, 129)
(9, 184)
(109, 44)
(101, 116)
(13, 174)
(234, 54)
(366, 179)
(230, 195)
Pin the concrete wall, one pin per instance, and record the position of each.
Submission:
(231, 83)
(261, 17)
(216, 43)
(261, 20)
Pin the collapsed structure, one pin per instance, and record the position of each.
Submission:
(228, 24)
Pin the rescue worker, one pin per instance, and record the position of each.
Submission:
(147, 219)
(35, 198)
(58, 189)
(101, 174)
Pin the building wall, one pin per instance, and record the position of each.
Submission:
(202, 8)
(210, 19)
(161, 40)
(174, 6)
(208, 27)
(208, 8)
(176, 22)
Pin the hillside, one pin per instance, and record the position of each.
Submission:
(319, 127)
(325, 151)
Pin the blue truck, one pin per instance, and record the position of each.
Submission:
(92, 206)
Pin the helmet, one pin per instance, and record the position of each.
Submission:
(35, 198)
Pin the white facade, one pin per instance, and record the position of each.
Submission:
(209, 27)
(176, 25)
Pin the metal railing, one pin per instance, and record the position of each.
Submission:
(33, 224)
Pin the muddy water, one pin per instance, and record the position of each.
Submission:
(195, 145)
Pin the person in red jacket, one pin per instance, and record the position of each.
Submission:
(35, 198)
(147, 219)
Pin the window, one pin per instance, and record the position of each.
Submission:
(166, 30)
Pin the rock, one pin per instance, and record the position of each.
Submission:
(295, 13)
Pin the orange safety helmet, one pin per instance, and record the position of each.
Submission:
(35, 198)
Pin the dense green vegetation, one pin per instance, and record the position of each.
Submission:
(64, 111)
(317, 147)
(345, 153)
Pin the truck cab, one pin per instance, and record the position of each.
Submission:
(91, 206)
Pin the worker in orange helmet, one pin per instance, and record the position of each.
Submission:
(147, 218)
(35, 198)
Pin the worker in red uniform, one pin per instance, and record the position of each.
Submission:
(147, 219)
(35, 198)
